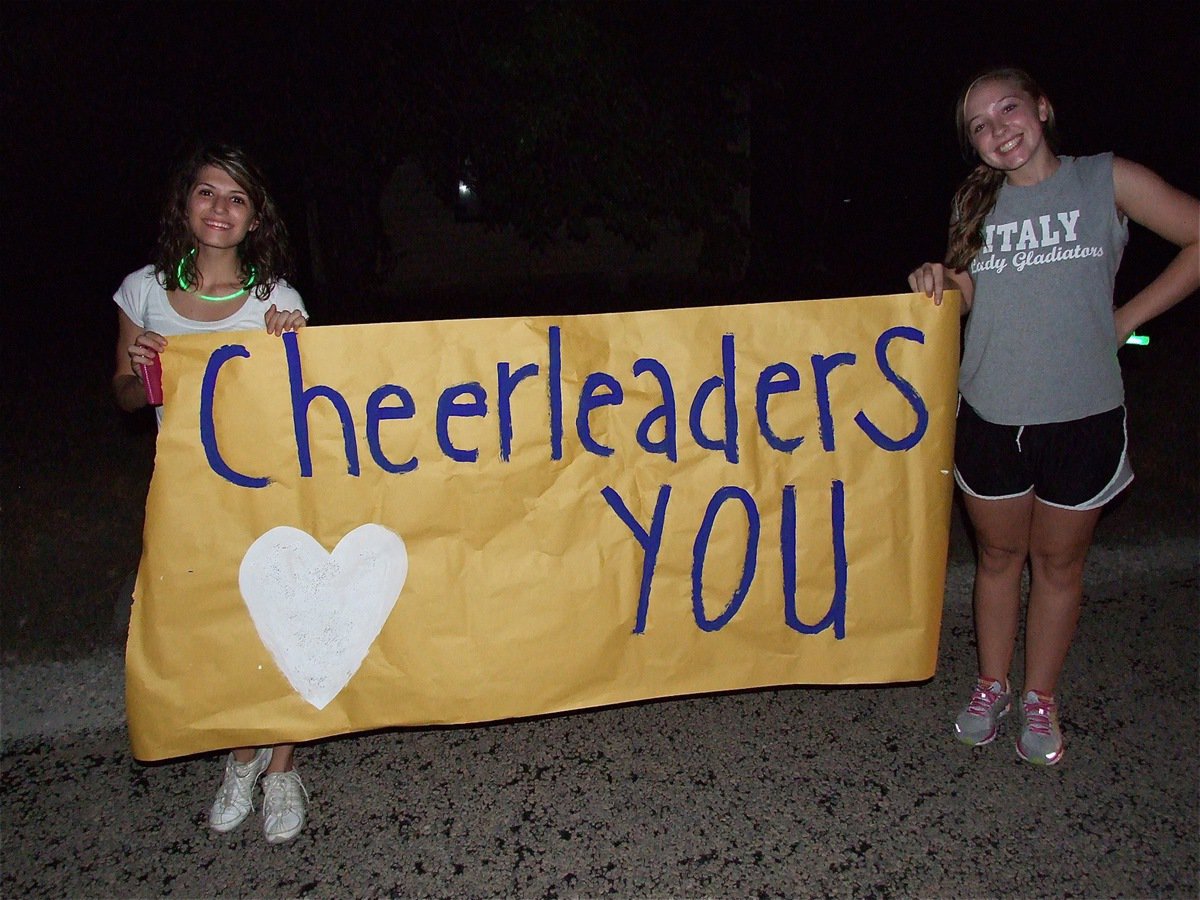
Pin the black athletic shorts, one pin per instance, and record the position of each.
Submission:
(1080, 464)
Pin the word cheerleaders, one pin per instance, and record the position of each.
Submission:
(393, 403)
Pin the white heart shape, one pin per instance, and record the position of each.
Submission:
(318, 613)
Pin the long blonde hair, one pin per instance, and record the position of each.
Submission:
(976, 196)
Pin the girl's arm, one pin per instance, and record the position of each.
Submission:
(932, 279)
(134, 346)
(1173, 216)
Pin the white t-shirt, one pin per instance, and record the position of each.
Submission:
(145, 301)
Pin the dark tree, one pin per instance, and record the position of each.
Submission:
(561, 113)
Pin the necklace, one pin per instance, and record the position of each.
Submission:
(183, 285)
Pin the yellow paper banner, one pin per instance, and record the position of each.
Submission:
(368, 526)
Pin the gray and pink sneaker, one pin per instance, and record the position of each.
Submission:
(978, 722)
(1041, 740)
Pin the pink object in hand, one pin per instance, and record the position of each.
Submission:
(152, 381)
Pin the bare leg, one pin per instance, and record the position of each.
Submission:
(281, 757)
(1002, 534)
(1059, 543)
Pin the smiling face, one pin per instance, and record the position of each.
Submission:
(1006, 126)
(220, 213)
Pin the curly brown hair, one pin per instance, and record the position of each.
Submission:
(976, 196)
(265, 249)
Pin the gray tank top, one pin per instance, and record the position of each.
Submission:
(1040, 344)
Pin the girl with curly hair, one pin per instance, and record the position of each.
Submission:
(221, 265)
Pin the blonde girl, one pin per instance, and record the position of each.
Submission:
(1035, 242)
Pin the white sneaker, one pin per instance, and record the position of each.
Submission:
(235, 799)
(284, 799)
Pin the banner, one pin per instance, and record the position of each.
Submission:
(358, 527)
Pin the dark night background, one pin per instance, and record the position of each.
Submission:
(568, 112)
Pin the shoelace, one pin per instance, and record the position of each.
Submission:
(287, 787)
(1037, 715)
(982, 699)
(233, 785)
(232, 790)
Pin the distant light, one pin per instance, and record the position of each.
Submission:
(464, 190)
(847, 200)
(1139, 340)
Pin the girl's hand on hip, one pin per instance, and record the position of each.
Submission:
(280, 320)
